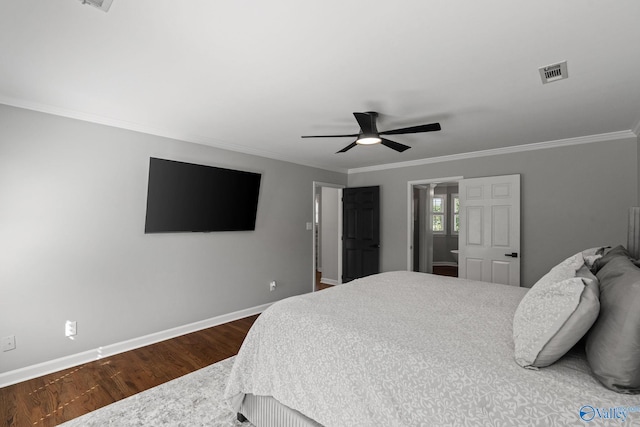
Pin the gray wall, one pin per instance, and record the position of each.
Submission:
(72, 242)
(572, 198)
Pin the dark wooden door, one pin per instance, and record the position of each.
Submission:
(360, 232)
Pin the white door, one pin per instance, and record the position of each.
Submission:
(489, 240)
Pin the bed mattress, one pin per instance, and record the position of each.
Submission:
(404, 348)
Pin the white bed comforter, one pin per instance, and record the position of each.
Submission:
(410, 349)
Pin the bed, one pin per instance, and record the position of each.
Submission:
(408, 349)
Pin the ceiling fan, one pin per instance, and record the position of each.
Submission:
(369, 134)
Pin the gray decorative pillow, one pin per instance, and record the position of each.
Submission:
(608, 256)
(613, 344)
(555, 314)
(592, 255)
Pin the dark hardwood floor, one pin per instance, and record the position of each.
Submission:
(320, 286)
(446, 270)
(53, 399)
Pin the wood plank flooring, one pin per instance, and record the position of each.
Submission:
(319, 285)
(53, 399)
(446, 270)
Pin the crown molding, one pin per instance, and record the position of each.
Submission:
(197, 139)
(611, 136)
(162, 132)
(636, 128)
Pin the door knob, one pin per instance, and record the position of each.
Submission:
(512, 254)
(375, 246)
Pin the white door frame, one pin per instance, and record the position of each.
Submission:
(410, 230)
(317, 185)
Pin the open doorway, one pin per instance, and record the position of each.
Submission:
(434, 225)
(327, 233)
(488, 223)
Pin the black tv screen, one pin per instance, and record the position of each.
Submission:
(188, 197)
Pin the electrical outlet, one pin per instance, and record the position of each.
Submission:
(272, 285)
(70, 328)
(8, 343)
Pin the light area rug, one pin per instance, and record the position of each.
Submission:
(192, 400)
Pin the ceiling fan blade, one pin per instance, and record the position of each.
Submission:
(329, 136)
(413, 129)
(347, 148)
(367, 122)
(394, 145)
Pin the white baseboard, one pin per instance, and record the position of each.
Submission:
(329, 281)
(44, 368)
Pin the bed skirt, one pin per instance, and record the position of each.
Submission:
(265, 411)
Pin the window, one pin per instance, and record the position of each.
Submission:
(438, 214)
(455, 213)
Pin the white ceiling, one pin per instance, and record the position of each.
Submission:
(254, 76)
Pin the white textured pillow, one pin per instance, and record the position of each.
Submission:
(555, 314)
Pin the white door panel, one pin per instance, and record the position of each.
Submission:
(500, 272)
(473, 268)
(490, 213)
(500, 226)
(474, 226)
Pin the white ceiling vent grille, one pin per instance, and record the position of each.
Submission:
(103, 5)
(554, 72)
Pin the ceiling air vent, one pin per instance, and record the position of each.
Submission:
(554, 72)
(103, 5)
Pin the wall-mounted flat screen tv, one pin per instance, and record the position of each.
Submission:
(184, 197)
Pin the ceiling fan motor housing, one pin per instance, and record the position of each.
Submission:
(368, 131)
(369, 134)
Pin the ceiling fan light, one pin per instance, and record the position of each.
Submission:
(368, 140)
